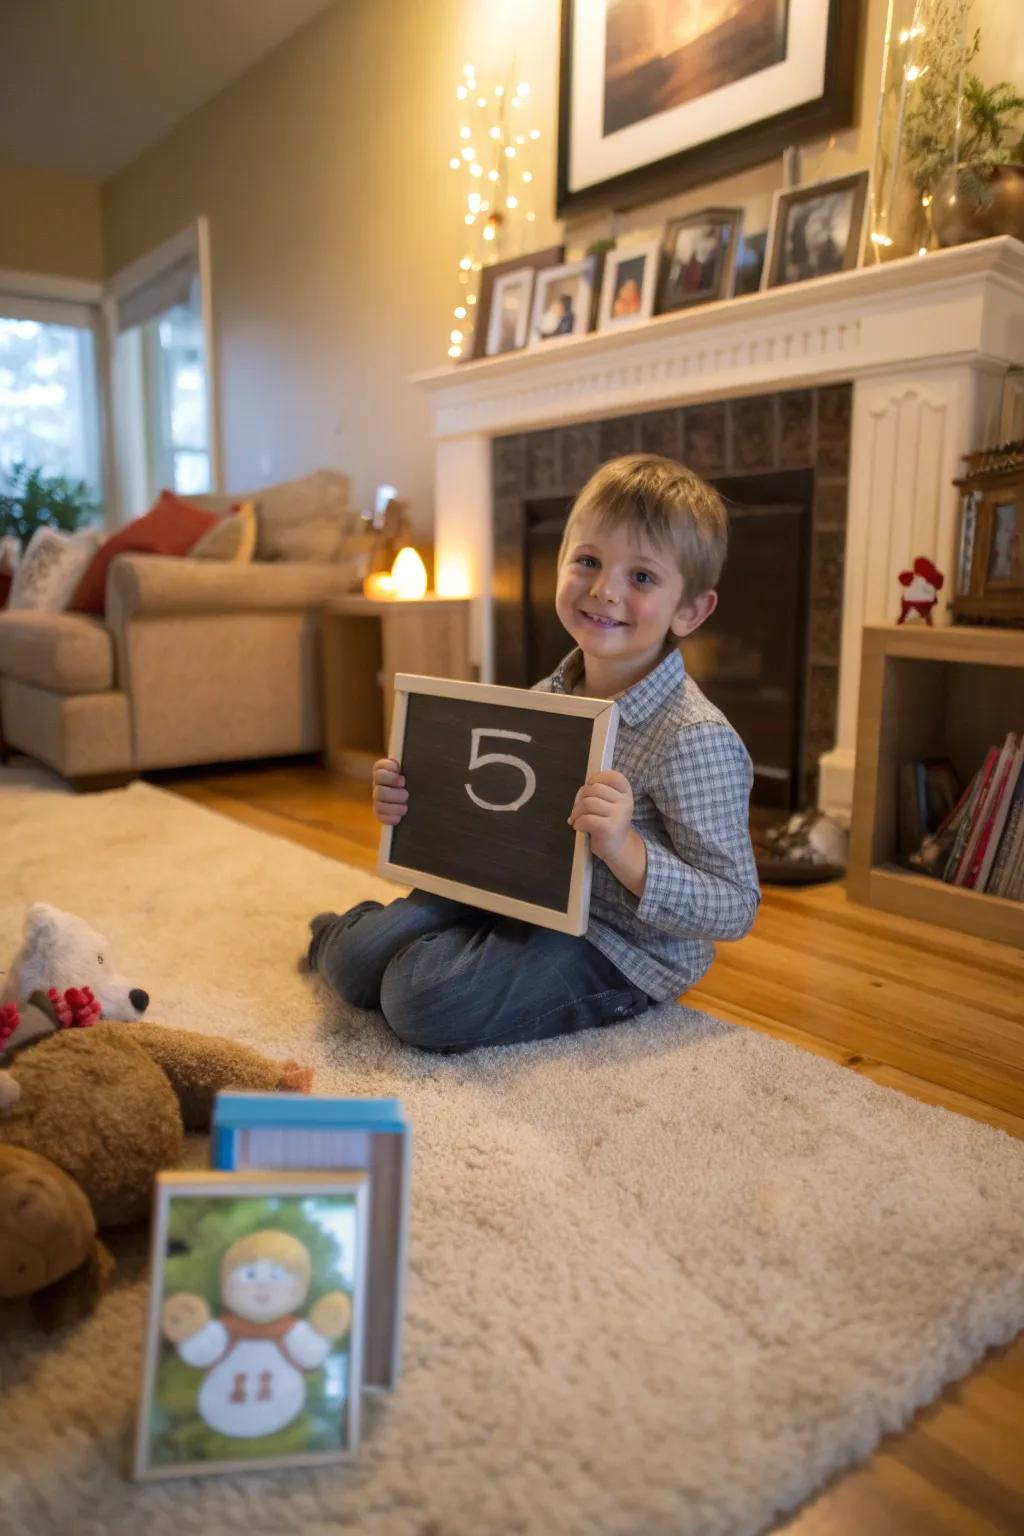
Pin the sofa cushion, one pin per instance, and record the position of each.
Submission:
(170, 527)
(64, 652)
(51, 568)
(232, 538)
(304, 520)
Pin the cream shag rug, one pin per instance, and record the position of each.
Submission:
(665, 1278)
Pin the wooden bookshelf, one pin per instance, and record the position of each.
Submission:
(950, 692)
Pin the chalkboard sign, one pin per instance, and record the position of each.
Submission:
(492, 774)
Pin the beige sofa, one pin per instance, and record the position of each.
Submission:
(197, 661)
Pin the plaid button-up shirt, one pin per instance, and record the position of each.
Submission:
(691, 777)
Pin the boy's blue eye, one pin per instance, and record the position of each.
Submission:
(585, 560)
(645, 578)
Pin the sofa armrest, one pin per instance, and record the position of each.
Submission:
(141, 585)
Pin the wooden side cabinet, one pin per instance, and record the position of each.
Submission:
(950, 692)
(365, 642)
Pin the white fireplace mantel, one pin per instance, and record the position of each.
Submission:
(924, 341)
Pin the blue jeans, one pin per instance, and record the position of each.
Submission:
(449, 977)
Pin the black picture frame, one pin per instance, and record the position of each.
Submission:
(791, 203)
(720, 267)
(698, 163)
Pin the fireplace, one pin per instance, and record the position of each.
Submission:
(885, 377)
(769, 655)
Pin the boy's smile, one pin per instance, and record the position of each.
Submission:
(620, 599)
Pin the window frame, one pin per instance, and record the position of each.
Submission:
(75, 302)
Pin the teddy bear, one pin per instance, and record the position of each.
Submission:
(106, 1106)
(60, 950)
(922, 586)
(49, 1250)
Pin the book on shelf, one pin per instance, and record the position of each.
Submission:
(929, 790)
(317, 1132)
(979, 844)
(1007, 774)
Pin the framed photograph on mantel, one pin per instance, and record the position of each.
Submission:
(506, 286)
(657, 95)
(816, 230)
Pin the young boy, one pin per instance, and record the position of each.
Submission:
(673, 865)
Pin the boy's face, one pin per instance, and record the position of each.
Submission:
(619, 597)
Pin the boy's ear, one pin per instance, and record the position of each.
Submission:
(691, 616)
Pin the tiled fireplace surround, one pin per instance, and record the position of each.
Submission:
(799, 429)
(878, 379)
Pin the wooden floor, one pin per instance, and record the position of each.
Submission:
(932, 1012)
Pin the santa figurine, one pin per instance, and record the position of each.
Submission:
(921, 590)
(257, 1353)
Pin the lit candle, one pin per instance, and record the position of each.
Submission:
(378, 584)
(408, 574)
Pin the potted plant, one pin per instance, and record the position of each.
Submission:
(32, 499)
(964, 144)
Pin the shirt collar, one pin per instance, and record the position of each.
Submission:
(639, 702)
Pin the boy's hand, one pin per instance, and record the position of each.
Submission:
(390, 796)
(604, 808)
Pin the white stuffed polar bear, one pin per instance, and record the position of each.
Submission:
(60, 950)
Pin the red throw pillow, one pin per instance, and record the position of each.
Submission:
(170, 527)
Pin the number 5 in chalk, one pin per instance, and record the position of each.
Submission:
(476, 760)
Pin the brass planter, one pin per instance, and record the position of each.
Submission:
(958, 217)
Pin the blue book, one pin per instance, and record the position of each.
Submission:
(318, 1131)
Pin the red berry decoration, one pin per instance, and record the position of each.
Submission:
(77, 1009)
(9, 1021)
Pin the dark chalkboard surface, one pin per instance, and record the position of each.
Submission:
(492, 774)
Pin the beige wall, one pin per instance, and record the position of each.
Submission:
(50, 224)
(336, 230)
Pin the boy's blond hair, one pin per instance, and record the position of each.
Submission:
(667, 504)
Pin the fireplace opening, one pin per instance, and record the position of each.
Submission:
(750, 658)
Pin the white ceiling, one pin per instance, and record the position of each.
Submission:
(87, 85)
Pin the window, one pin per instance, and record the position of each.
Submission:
(49, 417)
(175, 413)
(162, 396)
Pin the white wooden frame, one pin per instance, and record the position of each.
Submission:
(522, 277)
(238, 1186)
(604, 713)
(651, 251)
(586, 269)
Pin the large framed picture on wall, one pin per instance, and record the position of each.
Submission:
(657, 95)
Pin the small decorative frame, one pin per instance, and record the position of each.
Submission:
(628, 286)
(534, 261)
(508, 323)
(990, 566)
(816, 230)
(699, 258)
(254, 1328)
(563, 302)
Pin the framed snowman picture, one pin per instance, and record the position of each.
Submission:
(254, 1328)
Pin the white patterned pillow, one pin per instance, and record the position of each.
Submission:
(51, 567)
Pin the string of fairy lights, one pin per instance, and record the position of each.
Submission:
(494, 157)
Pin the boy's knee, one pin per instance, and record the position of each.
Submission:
(337, 955)
(413, 1011)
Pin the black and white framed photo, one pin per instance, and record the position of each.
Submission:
(699, 258)
(629, 285)
(490, 277)
(657, 96)
(563, 301)
(816, 230)
(508, 323)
